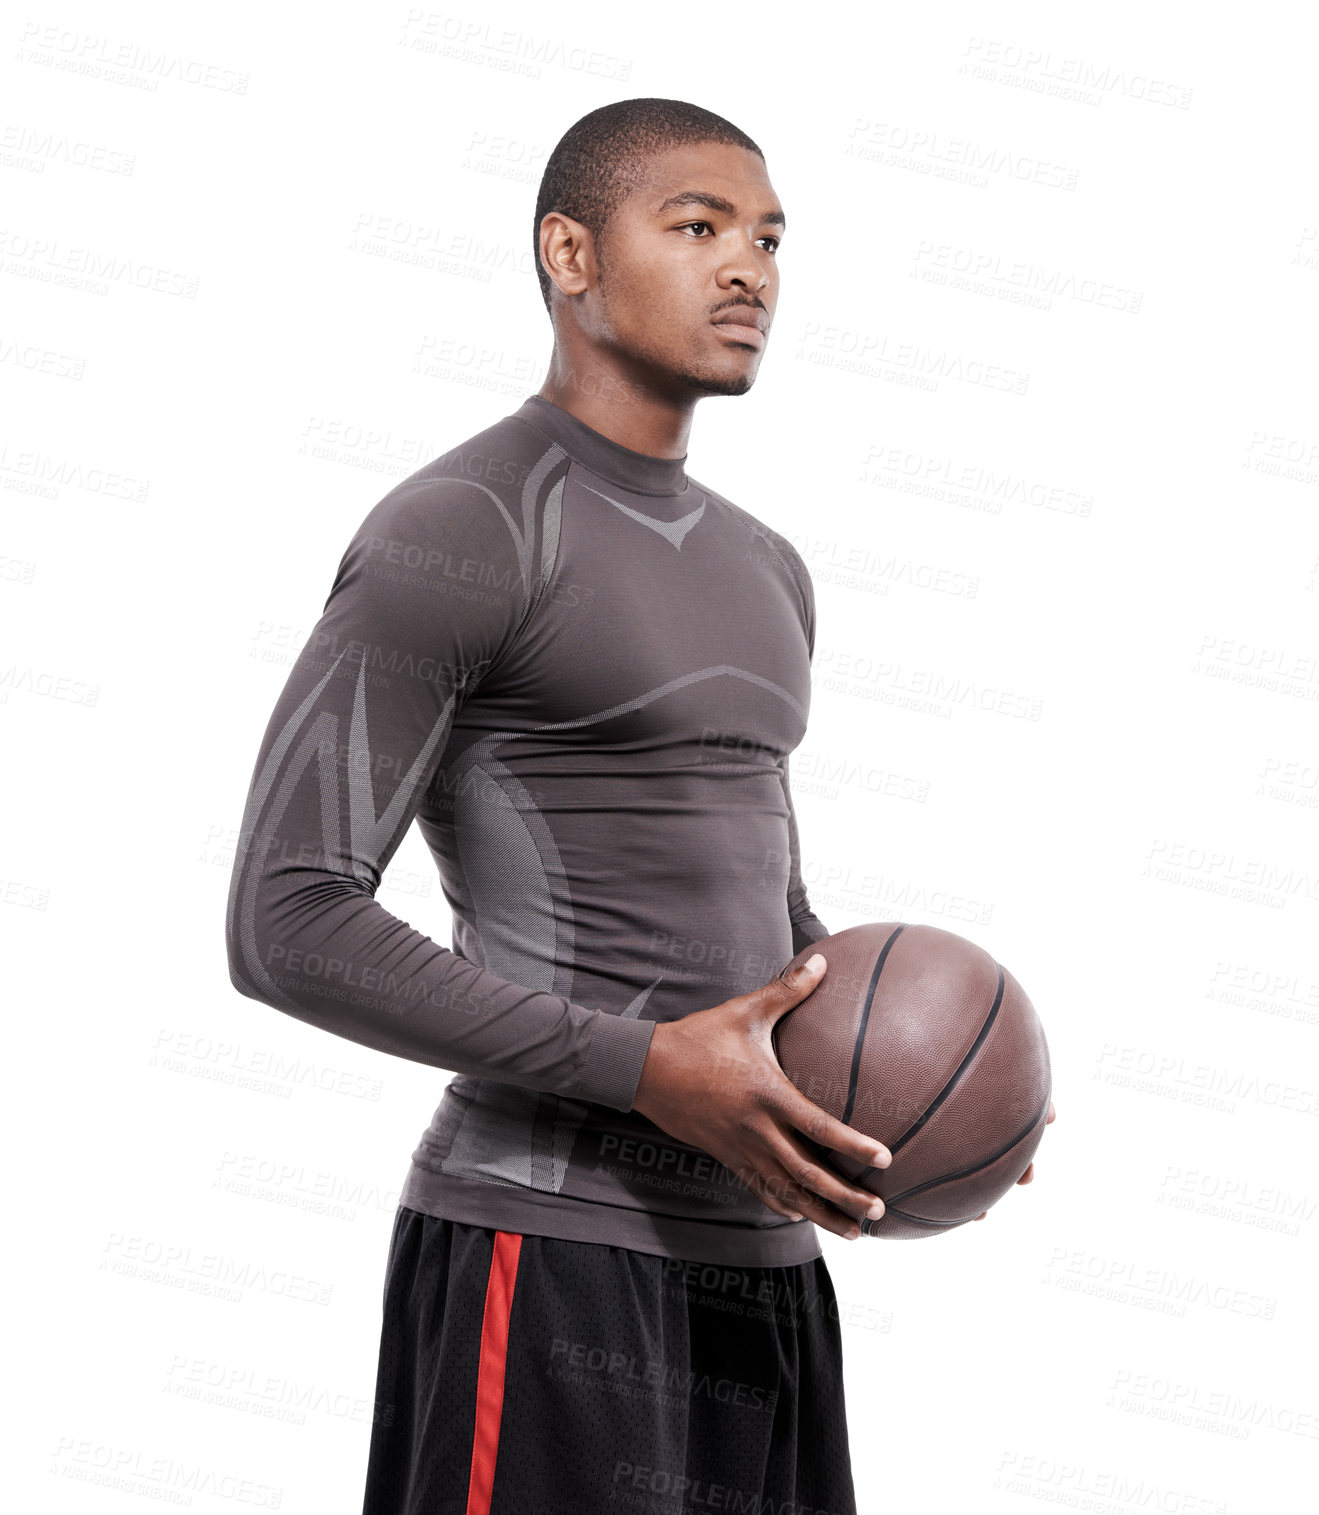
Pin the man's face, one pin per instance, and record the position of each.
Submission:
(688, 251)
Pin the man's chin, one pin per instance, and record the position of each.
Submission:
(722, 384)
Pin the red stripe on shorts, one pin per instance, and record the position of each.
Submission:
(490, 1373)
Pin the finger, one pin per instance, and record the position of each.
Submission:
(1028, 1174)
(771, 1191)
(775, 1196)
(780, 995)
(809, 1204)
(826, 1131)
(768, 1184)
(1051, 1115)
(773, 1187)
(982, 1215)
(809, 1174)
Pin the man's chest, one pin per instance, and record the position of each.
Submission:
(652, 632)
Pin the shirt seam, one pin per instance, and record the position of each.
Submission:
(542, 574)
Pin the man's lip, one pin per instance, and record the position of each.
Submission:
(743, 316)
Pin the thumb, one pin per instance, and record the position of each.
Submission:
(788, 988)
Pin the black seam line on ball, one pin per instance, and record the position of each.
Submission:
(1007, 1147)
(861, 1030)
(933, 1107)
(917, 1220)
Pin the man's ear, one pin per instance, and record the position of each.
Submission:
(567, 252)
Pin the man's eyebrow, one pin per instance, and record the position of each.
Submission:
(717, 203)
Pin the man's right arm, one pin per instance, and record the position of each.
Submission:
(354, 740)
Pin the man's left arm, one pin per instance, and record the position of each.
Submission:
(806, 925)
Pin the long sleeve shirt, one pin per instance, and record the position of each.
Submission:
(581, 674)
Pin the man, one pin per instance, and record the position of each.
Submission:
(582, 673)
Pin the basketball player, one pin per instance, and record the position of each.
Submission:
(582, 673)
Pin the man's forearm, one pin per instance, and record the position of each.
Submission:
(323, 951)
(808, 929)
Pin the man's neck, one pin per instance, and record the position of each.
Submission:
(616, 408)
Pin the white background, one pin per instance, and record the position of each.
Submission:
(1039, 412)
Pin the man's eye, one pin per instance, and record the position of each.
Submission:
(687, 226)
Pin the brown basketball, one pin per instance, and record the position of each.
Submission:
(917, 1037)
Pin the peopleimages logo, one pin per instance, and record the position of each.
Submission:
(98, 56)
(504, 47)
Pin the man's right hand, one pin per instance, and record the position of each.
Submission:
(711, 1080)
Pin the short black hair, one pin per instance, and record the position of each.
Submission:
(598, 161)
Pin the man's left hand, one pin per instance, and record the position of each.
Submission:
(1030, 1167)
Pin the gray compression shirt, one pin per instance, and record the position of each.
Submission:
(582, 674)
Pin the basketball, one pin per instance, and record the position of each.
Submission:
(918, 1038)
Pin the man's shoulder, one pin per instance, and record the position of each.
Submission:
(457, 534)
(773, 541)
(479, 503)
(489, 484)
(500, 458)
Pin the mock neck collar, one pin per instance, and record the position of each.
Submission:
(637, 471)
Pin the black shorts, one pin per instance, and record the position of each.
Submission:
(524, 1375)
